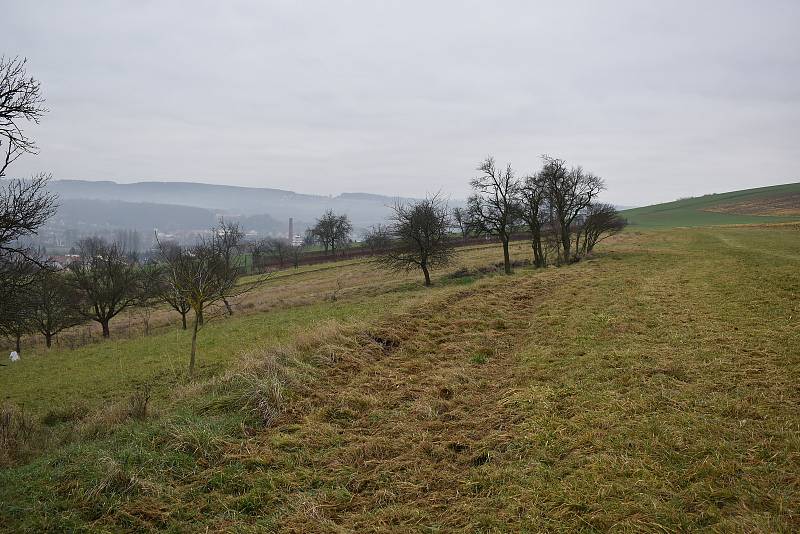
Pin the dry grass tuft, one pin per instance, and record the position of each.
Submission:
(17, 433)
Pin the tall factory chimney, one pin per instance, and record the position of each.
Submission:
(291, 229)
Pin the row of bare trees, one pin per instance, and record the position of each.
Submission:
(556, 206)
(104, 281)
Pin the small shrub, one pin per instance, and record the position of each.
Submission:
(262, 387)
(481, 355)
(137, 403)
(19, 434)
(478, 358)
(265, 397)
(197, 438)
(15, 426)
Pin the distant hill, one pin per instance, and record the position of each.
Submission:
(363, 209)
(779, 203)
(88, 215)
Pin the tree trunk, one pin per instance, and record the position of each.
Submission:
(200, 319)
(540, 260)
(48, 340)
(566, 244)
(18, 347)
(183, 320)
(106, 331)
(427, 274)
(536, 259)
(197, 319)
(506, 257)
(536, 245)
(228, 306)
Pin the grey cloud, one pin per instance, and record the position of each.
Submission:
(663, 100)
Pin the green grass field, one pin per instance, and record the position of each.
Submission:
(653, 387)
(695, 211)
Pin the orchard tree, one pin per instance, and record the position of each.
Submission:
(534, 211)
(378, 238)
(295, 253)
(227, 240)
(494, 206)
(54, 304)
(168, 251)
(569, 192)
(197, 275)
(202, 276)
(332, 230)
(279, 248)
(24, 204)
(148, 292)
(21, 101)
(461, 221)
(600, 221)
(107, 281)
(15, 302)
(421, 232)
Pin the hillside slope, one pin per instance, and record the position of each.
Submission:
(651, 388)
(779, 203)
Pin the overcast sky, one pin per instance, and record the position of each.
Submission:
(662, 99)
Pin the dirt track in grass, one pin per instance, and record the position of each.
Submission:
(400, 433)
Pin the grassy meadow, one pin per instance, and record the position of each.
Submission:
(653, 387)
(773, 204)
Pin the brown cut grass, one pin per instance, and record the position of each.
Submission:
(785, 205)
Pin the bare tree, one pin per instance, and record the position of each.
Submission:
(279, 248)
(600, 221)
(108, 282)
(15, 301)
(54, 304)
(227, 240)
(421, 232)
(332, 230)
(533, 210)
(461, 221)
(25, 205)
(170, 250)
(378, 238)
(494, 206)
(296, 252)
(202, 276)
(197, 276)
(569, 192)
(20, 100)
(149, 292)
(128, 240)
